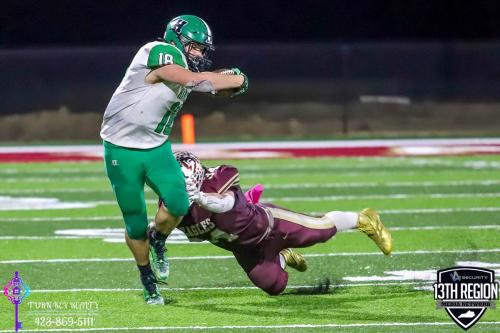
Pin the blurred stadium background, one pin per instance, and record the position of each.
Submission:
(328, 69)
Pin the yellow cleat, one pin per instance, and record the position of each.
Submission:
(294, 260)
(369, 223)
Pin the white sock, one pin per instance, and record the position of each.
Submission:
(282, 261)
(343, 220)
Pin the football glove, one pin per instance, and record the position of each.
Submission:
(244, 86)
(194, 193)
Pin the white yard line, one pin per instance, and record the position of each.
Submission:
(439, 210)
(340, 285)
(250, 327)
(51, 180)
(247, 175)
(61, 218)
(489, 182)
(104, 180)
(383, 211)
(399, 196)
(415, 228)
(446, 227)
(246, 169)
(333, 254)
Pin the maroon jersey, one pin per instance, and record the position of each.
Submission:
(245, 225)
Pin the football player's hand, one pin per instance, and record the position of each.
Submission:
(244, 86)
(194, 193)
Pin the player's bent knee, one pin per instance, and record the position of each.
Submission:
(179, 208)
(136, 233)
(270, 278)
(275, 290)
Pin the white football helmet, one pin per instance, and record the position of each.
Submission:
(191, 167)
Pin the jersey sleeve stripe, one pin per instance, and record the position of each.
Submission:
(231, 182)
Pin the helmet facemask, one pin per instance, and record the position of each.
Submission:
(196, 63)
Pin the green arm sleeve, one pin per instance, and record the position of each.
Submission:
(161, 55)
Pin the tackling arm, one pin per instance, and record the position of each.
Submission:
(206, 81)
(216, 203)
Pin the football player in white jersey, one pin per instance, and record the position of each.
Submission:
(136, 128)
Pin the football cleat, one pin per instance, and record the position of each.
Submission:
(369, 223)
(152, 294)
(154, 298)
(159, 264)
(158, 258)
(294, 260)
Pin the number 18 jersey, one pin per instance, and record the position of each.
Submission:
(140, 115)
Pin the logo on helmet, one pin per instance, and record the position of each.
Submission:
(177, 25)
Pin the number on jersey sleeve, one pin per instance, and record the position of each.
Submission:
(165, 54)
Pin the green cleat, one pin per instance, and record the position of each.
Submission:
(158, 257)
(153, 298)
(152, 294)
(159, 264)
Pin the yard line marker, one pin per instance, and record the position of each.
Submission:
(348, 197)
(121, 233)
(400, 196)
(50, 180)
(248, 327)
(340, 285)
(424, 211)
(385, 196)
(247, 175)
(382, 211)
(333, 254)
(61, 218)
(439, 210)
(488, 182)
(381, 162)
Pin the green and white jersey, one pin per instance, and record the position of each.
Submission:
(139, 114)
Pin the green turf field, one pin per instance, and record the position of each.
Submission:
(444, 211)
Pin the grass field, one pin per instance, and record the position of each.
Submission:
(444, 211)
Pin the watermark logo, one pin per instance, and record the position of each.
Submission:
(465, 293)
(16, 291)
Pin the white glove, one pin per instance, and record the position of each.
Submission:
(212, 202)
(194, 193)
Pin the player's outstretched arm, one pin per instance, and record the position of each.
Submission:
(213, 202)
(204, 81)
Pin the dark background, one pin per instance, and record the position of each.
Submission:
(30, 23)
(309, 64)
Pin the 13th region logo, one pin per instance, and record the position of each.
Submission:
(465, 293)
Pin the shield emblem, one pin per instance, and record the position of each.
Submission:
(465, 316)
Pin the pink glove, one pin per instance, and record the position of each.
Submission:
(254, 193)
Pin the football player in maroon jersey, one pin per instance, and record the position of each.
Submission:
(259, 235)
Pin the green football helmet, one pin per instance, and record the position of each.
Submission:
(186, 32)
